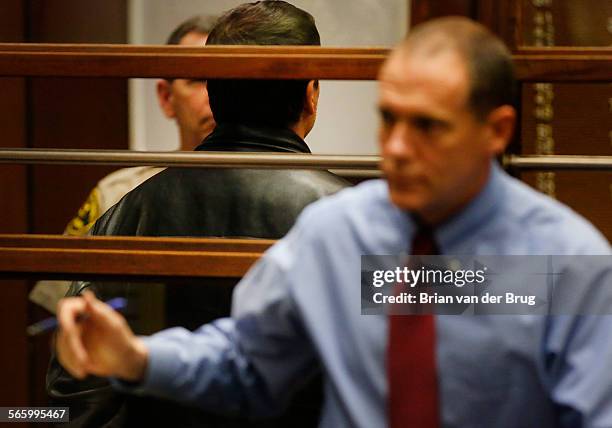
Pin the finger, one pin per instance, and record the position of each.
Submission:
(97, 308)
(66, 359)
(89, 297)
(71, 344)
(68, 310)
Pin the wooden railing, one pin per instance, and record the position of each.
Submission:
(126, 258)
(250, 62)
(151, 258)
(267, 62)
(564, 64)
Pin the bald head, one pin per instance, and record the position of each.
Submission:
(487, 61)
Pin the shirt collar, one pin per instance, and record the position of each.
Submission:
(249, 138)
(477, 213)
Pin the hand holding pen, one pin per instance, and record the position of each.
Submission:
(51, 323)
(95, 340)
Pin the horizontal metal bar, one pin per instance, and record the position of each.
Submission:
(558, 162)
(187, 159)
(358, 173)
(351, 165)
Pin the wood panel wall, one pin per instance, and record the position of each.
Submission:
(74, 113)
(51, 113)
(13, 219)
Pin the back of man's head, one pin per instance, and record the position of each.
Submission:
(261, 102)
(487, 60)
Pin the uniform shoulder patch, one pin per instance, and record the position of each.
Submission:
(86, 216)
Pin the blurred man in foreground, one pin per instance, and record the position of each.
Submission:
(446, 105)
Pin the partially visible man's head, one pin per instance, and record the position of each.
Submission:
(446, 96)
(186, 100)
(488, 61)
(263, 102)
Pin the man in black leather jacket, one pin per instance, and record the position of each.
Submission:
(251, 116)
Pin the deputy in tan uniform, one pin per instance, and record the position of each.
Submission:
(183, 100)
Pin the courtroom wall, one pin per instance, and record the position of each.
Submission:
(347, 118)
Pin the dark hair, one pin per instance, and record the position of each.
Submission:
(202, 24)
(488, 61)
(261, 102)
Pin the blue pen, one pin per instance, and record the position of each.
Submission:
(48, 324)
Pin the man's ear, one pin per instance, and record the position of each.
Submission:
(501, 123)
(312, 97)
(164, 98)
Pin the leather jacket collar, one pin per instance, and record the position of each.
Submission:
(245, 138)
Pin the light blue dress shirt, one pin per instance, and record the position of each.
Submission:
(299, 308)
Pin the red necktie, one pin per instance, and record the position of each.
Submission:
(411, 359)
